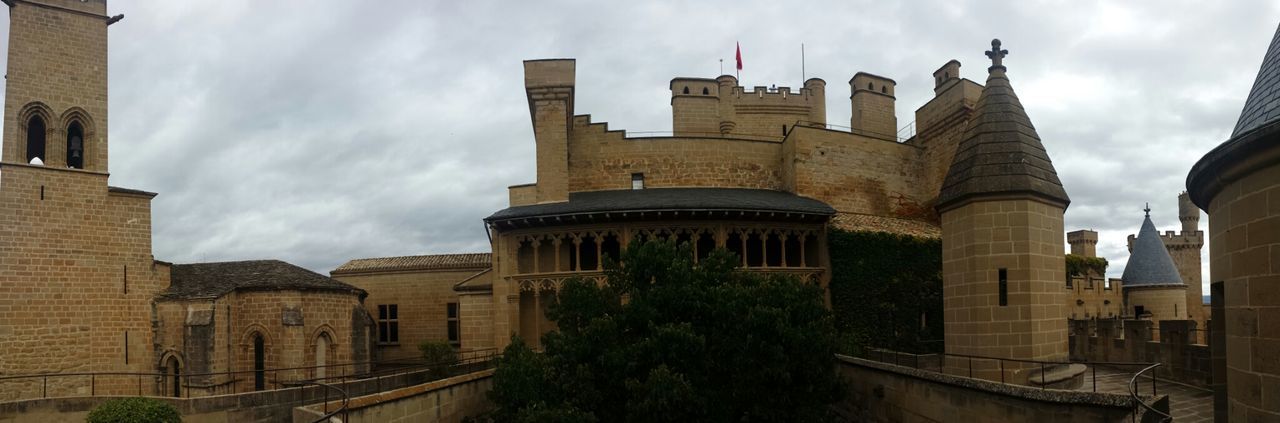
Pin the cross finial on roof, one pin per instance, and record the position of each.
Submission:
(996, 54)
(1147, 209)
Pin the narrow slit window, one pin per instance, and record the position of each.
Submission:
(1004, 287)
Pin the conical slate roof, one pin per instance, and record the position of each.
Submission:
(1149, 263)
(1263, 104)
(1001, 153)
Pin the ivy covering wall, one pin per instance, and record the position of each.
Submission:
(886, 290)
(1079, 265)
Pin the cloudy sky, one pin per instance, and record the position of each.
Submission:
(320, 131)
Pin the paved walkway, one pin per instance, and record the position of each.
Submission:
(1186, 404)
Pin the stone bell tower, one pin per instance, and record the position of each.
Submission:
(1002, 238)
(75, 254)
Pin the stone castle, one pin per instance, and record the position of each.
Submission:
(756, 171)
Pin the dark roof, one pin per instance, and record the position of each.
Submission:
(873, 223)
(206, 280)
(425, 262)
(1263, 104)
(1001, 153)
(670, 199)
(1149, 263)
(1255, 142)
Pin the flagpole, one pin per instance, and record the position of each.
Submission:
(802, 73)
(721, 66)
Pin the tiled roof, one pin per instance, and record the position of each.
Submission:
(425, 262)
(205, 280)
(1001, 152)
(1263, 104)
(670, 199)
(477, 282)
(1149, 263)
(872, 223)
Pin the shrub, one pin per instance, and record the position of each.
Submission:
(134, 410)
(439, 353)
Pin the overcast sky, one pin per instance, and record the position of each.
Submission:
(320, 131)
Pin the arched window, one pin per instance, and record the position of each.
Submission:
(946, 75)
(174, 370)
(322, 355)
(705, 91)
(883, 89)
(686, 90)
(869, 86)
(35, 139)
(75, 145)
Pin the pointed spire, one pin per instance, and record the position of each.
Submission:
(1150, 263)
(1001, 154)
(1263, 105)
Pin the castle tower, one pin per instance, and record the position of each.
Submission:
(549, 86)
(695, 107)
(1229, 183)
(1184, 248)
(1152, 286)
(873, 106)
(945, 76)
(1083, 242)
(1003, 265)
(75, 254)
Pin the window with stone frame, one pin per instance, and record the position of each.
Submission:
(388, 324)
(455, 332)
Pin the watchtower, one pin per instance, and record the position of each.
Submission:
(1003, 266)
(1083, 242)
(873, 106)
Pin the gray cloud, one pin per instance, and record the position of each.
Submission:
(316, 132)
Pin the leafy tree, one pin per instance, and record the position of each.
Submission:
(134, 410)
(668, 339)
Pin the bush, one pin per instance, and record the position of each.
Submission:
(134, 410)
(440, 353)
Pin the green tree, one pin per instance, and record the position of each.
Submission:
(134, 410)
(668, 339)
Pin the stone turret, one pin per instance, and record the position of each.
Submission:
(1083, 242)
(1152, 285)
(1003, 265)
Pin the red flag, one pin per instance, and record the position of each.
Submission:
(739, 55)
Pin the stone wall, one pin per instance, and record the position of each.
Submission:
(421, 298)
(856, 174)
(449, 400)
(1168, 302)
(880, 392)
(1094, 298)
(77, 274)
(1131, 341)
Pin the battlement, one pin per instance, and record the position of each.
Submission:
(1083, 242)
(704, 106)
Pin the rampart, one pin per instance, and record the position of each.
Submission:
(1117, 340)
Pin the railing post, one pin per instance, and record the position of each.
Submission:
(1001, 371)
(1153, 382)
(45, 389)
(1042, 379)
(93, 384)
(1095, 377)
(970, 367)
(139, 385)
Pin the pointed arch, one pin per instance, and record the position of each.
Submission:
(74, 119)
(321, 349)
(36, 125)
(171, 365)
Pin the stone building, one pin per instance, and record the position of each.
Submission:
(1238, 185)
(412, 298)
(1091, 295)
(1153, 288)
(1002, 253)
(250, 316)
(79, 288)
(1184, 249)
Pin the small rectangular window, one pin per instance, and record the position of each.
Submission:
(388, 324)
(455, 333)
(637, 181)
(1004, 287)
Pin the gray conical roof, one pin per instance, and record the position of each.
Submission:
(1149, 263)
(1001, 153)
(1263, 104)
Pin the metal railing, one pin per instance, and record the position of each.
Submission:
(1138, 402)
(967, 369)
(232, 382)
(696, 134)
(342, 409)
(852, 130)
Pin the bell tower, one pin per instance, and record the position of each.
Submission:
(55, 106)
